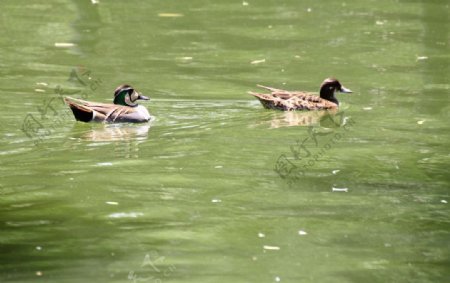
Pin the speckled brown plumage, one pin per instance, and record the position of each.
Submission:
(299, 100)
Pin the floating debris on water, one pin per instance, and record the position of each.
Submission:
(39, 248)
(258, 61)
(112, 203)
(420, 58)
(277, 279)
(309, 10)
(104, 164)
(42, 83)
(64, 44)
(186, 58)
(94, 2)
(261, 235)
(271, 248)
(38, 273)
(39, 90)
(420, 122)
(216, 200)
(344, 190)
(302, 233)
(443, 201)
(367, 108)
(126, 215)
(218, 167)
(335, 172)
(244, 3)
(170, 15)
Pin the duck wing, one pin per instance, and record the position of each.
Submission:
(87, 111)
(291, 100)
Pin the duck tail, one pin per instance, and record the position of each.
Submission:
(267, 100)
(80, 112)
(261, 96)
(272, 89)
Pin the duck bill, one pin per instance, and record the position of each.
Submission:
(345, 90)
(142, 97)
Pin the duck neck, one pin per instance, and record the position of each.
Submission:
(328, 94)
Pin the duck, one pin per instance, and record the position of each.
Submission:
(284, 100)
(124, 109)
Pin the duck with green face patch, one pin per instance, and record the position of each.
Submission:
(125, 108)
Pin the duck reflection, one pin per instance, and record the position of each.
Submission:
(117, 132)
(325, 118)
(126, 138)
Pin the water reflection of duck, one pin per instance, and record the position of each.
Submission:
(124, 109)
(122, 132)
(299, 100)
(325, 118)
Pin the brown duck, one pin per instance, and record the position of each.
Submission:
(300, 100)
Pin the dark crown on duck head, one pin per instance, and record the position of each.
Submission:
(121, 88)
(329, 87)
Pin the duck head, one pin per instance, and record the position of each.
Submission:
(126, 95)
(329, 87)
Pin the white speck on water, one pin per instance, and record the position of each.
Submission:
(218, 166)
(344, 190)
(64, 44)
(335, 172)
(309, 10)
(186, 58)
(254, 62)
(95, 2)
(271, 248)
(270, 26)
(38, 273)
(170, 15)
(244, 3)
(71, 179)
(302, 233)
(297, 56)
(216, 200)
(39, 248)
(443, 201)
(261, 235)
(42, 84)
(104, 164)
(380, 23)
(277, 279)
(112, 203)
(420, 122)
(420, 58)
(126, 215)
(367, 108)
(39, 90)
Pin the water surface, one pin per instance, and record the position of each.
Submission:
(193, 196)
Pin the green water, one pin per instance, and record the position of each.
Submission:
(194, 197)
